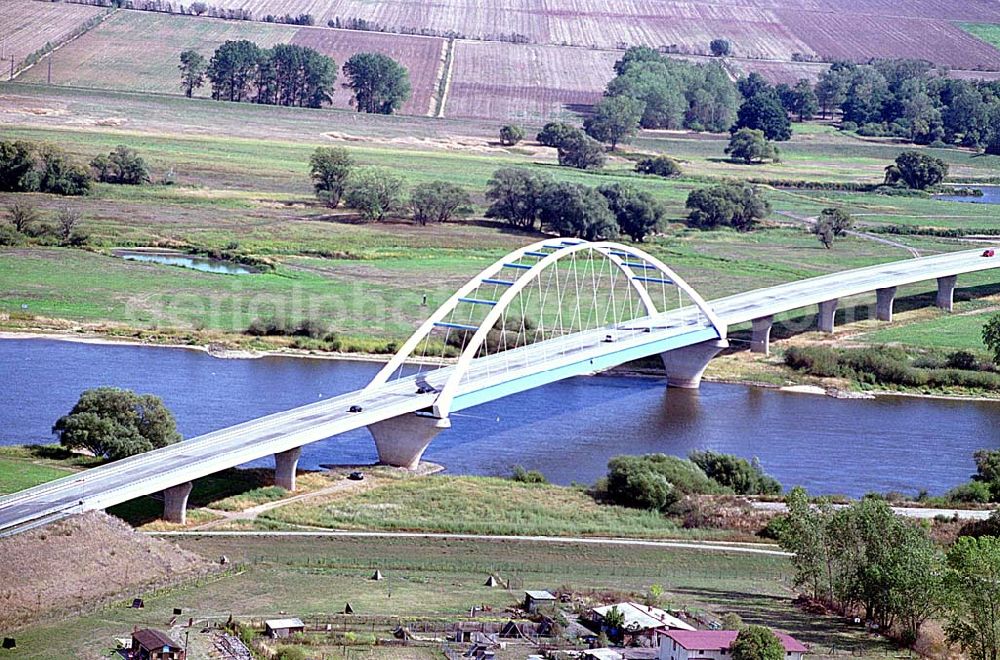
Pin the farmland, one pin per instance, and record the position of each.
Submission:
(29, 26)
(758, 29)
(524, 81)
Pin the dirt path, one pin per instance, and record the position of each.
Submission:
(810, 221)
(718, 546)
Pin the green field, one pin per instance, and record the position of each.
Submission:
(24, 466)
(988, 32)
(440, 579)
(475, 505)
(958, 332)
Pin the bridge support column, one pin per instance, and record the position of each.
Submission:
(760, 341)
(827, 311)
(285, 465)
(883, 303)
(946, 292)
(175, 501)
(685, 366)
(401, 441)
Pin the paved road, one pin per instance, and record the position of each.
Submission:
(490, 377)
(920, 513)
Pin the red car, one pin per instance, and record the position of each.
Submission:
(988, 253)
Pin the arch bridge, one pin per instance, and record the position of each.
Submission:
(548, 311)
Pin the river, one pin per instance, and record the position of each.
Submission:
(568, 430)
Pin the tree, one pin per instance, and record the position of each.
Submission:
(198, 8)
(615, 119)
(193, 68)
(569, 209)
(116, 423)
(515, 195)
(659, 165)
(991, 337)
(764, 112)
(554, 132)
(734, 205)
(22, 215)
(330, 167)
(655, 481)
(720, 47)
(732, 621)
(374, 191)
(68, 220)
(752, 85)
(803, 101)
(831, 88)
(123, 165)
(832, 223)
(61, 176)
(438, 201)
(973, 584)
(381, 84)
(233, 69)
(636, 213)
(511, 134)
(757, 643)
(918, 171)
(749, 145)
(17, 162)
(581, 151)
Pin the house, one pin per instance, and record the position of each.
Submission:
(535, 599)
(277, 628)
(714, 645)
(149, 644)
(642, 624)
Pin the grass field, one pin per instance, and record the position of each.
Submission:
(26, 466)
(435, 579)
(475, 506)
(988, 32)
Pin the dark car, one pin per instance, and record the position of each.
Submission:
(354, 409)
(988, 253)
(425, 389)
(356, 476)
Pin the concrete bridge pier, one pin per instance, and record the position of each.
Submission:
(946, 292)
(883, 303)
(175, 501)
(760, 341)
(401, 441)
(685, 366)
(827, 312)
(285, 464)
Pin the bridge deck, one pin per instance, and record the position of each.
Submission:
(489, 378)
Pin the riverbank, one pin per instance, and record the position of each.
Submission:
(739, 368)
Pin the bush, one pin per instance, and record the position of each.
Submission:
(290, 653)
(511, 134)
(9, 236)
(123, 165)
(554, 132)
(374, 191)
(581, 151)
(523, 476)
(735, 473)
(775, 528)
(329, 168)
(655, 481)
(735, 205)
(659, 165)
(973, 492)
(814, 360)
(438, 201)
(962, 360)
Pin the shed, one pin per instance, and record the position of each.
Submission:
(534, 599)
(601, 654)
(277, 628)
(149, 644)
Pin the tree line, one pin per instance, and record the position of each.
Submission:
(293, 75)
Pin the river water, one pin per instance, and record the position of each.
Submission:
(568, 430)
(991, 195)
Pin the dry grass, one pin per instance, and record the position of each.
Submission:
(79, 562)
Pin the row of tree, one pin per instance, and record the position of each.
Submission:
(30, 167)
(293, 75)
(527, 199)
(864, 558)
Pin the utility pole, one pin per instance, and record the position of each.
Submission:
(50, 69)
(11, 67)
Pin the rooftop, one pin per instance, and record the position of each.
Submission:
(642, 617)
(284, 623)
(713, 640)
(153, 639)
(539, 595)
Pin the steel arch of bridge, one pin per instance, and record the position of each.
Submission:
(546, 253)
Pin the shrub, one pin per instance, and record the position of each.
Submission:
(554, 132)
(123, 165)
(511, 134)
(374, 191)
(814, 360)
(438, 201)
(973, 492)
(655, 481)
(733, 472)
(659, 165)
(523, 476)
(581, 151)
(329, 168)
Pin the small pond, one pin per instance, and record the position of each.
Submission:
(991, 195)
(170, 258)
